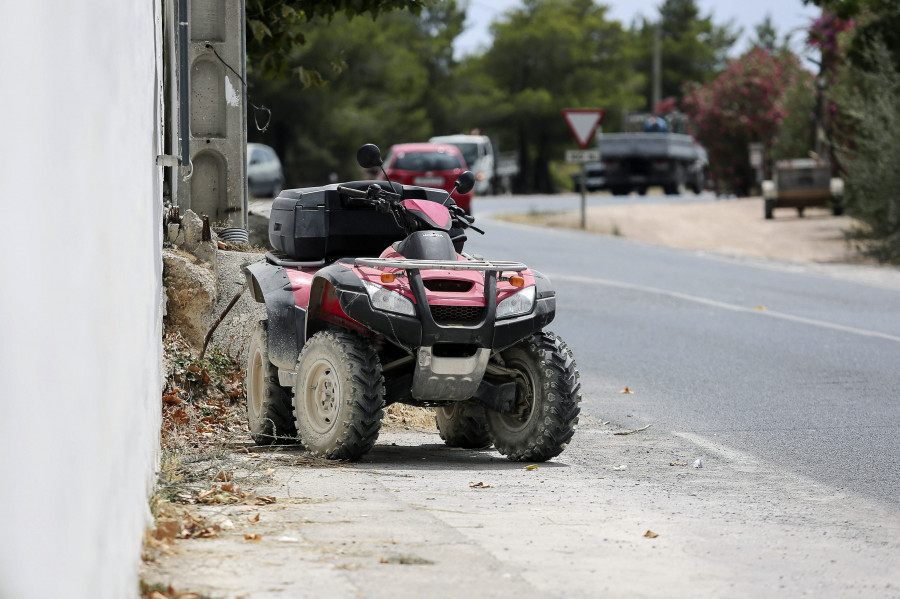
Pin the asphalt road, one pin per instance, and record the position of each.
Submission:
(800, 370)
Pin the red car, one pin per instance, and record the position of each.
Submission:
(428, 165)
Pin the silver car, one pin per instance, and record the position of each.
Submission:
(265, 178)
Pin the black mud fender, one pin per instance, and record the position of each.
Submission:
(544, 288)
(512, 330)
(269, 284)
(341, 281)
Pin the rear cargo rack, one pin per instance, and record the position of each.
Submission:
(404, 264)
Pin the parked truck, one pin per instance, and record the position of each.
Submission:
(494, 171)
(653, 151)
(803, 183)
(479, 155)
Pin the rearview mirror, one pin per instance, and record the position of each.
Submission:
(369, 156)
(466, 182)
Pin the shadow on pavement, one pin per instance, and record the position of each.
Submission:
(414, 456)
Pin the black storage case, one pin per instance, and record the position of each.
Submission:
(319, 223)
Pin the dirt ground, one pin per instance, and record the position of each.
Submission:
(734, 227)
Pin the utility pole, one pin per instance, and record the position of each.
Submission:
(657, 66)
(207, 58)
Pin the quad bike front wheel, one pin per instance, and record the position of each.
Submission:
(269, 412)
(547, 400)
(339, 395)
(463, 425)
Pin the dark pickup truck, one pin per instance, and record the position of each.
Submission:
(643, 156)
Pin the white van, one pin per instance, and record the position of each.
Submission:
(479, 155)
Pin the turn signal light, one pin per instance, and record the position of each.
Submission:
(387, 277)
(517, 281)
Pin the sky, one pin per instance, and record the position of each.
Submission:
(786, 15)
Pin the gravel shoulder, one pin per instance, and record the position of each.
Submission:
(734, 227)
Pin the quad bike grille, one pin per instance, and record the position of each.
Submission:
(457, 314)
(451, 285)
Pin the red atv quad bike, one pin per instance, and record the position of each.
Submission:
(424, 323)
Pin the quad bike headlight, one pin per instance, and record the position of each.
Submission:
(517, 304)
(389, 301)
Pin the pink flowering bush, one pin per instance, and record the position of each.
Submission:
(824, 34)
(745, 104)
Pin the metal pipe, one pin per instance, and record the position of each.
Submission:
(183, 86)
(245, 99)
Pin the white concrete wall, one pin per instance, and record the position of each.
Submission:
(80, 308)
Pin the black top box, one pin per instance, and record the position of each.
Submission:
(319, 223)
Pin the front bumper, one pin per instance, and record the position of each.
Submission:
(413, 332)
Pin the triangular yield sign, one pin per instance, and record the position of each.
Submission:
(583, 122)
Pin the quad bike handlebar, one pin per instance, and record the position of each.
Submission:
(390, 202)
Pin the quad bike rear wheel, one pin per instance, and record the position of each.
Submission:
(547, 400)
(339, 395)
(269, 411)
(463, 424)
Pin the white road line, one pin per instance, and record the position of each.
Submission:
(725, 306)
(711, 446)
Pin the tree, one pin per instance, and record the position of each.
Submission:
(389, 86)
(767, 36)
(744, 104)
(546, 56)
(692, 47)
(869, 103)
(797, 128)
(276, 28)
(877, 23)
(860, 104)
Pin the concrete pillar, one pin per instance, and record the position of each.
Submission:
(217, 183)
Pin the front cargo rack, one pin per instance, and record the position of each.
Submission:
(405, 264)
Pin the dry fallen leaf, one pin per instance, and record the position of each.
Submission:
(223, 476)
(171, 400)
(179, 416)
(637, 430)
(224, 246)
(761, 308)
(650, 534)
(264, 500)
(254, 518)
(479, 486)
(252, 537)
(531, 467)
(171, 593)
(677, 463)
(167, 530)
(194, 368)
(205, 375)
(626, 390)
